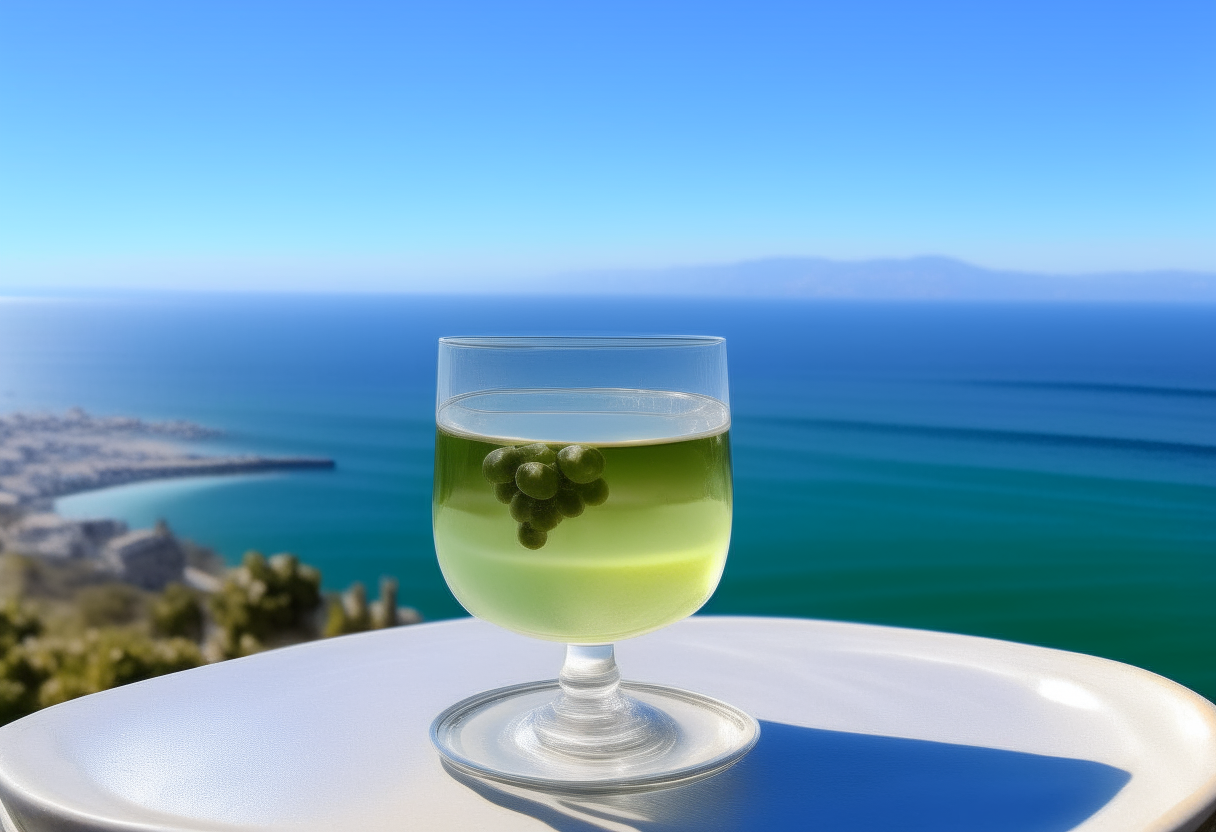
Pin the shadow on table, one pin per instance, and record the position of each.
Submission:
(809, 779)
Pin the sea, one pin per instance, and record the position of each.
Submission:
(1041, 473)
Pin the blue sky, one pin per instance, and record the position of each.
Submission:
(361, 144)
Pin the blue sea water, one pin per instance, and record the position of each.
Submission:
(1042, 473)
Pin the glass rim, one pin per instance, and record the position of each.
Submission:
(584, 342)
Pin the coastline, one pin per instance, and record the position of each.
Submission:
(130, 474)
(44, 457)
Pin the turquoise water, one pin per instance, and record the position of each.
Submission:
(1045, 474)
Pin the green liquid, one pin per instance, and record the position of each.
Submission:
(650, 555)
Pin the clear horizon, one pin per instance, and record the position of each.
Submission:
(372, 147)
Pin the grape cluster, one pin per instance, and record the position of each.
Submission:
(543, 486)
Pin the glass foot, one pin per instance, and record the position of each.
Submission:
(651, 737)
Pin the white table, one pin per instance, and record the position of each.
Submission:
(863, 729)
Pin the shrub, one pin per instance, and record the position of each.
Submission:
(40, 672)
(263, 600)
(351, 613)
(177, 612)
(16, 624)
(119, 657)
(109, 604)
(348, 613)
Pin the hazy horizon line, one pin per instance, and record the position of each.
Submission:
(922, 277)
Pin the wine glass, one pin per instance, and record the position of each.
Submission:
(583, 495)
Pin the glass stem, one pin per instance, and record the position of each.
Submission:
(590, 683)
(591, 717)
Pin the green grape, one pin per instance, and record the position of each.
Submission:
(545, 515)
(580, 463)
(500, 464)
(594, 493)
(568, 503)
(530, 537)
(537, 480)
(505, 492)
(538, 452)
(521, 508)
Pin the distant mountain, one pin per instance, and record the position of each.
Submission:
(918, 278)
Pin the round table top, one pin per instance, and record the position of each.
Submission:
(862, 728)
